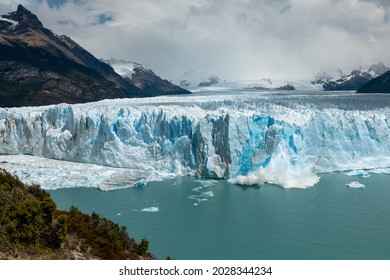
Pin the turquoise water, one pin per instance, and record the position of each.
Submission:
(187, 218)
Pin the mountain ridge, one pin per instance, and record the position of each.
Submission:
(39, 67)
(352, 81)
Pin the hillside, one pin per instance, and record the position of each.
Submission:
(380, 84)
(32, 228)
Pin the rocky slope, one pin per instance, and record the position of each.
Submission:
(38, 67)
(380, 84)
(144, 78)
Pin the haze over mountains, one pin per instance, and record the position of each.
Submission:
(38, 67)
(327, 81)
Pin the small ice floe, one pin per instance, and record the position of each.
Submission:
(150, 209)
(206, 183)
(202, 192)
(356, 185)
(358, 173)
(202, 196)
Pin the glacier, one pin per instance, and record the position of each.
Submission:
(246, 138)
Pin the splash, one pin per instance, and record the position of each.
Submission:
(281, 170)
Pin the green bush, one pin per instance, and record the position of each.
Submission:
(106, 238)
(59, 230)
(26, 211)
(143, 247)
(29, 219)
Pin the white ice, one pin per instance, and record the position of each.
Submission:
(356, 185)
(150, 209)
(358, 173)
(250, 139)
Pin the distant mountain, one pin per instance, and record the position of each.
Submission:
(324, 76)
(210, 81)
(144, 78)
(197, 79)
(353, 81)
(380, 84)
(38, 67)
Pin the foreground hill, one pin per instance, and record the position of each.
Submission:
(32, 228)
(38, 67)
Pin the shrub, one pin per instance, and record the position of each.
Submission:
(29, 220)
(143, 247)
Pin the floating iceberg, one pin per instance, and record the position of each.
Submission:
(150, 209)
(358, 173)
(356, 185)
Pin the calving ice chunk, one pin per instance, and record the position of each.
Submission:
(249, 140)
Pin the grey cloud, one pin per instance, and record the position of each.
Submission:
(232, 38)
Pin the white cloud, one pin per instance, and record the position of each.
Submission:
(232, 38)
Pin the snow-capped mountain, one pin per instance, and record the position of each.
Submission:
(326, 76)
(143, 77)
(125, 68)
(284, 140)
(353, 81)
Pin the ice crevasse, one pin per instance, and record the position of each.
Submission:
(248, 141)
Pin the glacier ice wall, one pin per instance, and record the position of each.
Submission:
(249, 141)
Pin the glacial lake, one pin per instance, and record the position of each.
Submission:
(189, 218)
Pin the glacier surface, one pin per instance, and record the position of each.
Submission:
(246, 138)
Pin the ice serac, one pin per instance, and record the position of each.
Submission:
(249, 141)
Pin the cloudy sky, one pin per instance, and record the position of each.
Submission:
(235, 39)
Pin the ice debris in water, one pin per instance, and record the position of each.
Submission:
(150, 209)
(356, 185)
(202, 195)
(358, 173)
(206, 183)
